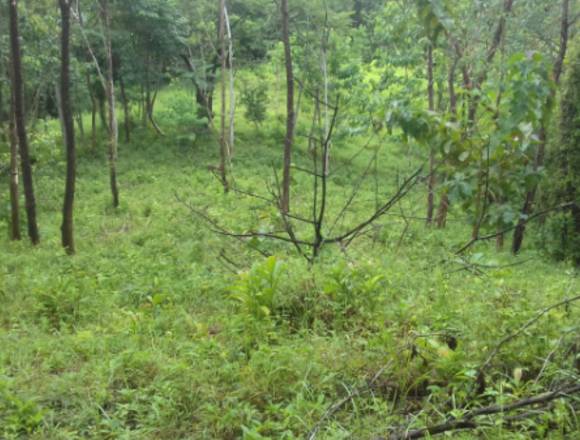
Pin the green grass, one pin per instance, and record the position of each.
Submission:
(139, 335)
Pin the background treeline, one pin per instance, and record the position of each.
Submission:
(479, 87)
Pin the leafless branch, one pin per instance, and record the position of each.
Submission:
(403, 190)
(334, 408)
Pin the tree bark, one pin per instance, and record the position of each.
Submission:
(18, 88)
(285, 193)
(67, 227)
(110, 92)
(527, 209)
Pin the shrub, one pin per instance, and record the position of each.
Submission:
(255, 98)
(257, 288)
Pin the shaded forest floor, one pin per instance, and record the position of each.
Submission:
(149, 333)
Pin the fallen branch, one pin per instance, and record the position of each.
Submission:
(467, 420)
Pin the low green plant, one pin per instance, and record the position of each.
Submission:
(59, 307)
(256, 289)
(354, 290)
(18, 417)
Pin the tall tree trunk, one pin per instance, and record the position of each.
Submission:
(18, 87)
(443, 209)
(81, 125)
(203, 92)
(232, 92)
(67, 227)
(125, 110)
(14, 202)
(431, 96)
(101, 100)
(223, 141)
(110, 91)
(93, 114)
(150, 100)
(151, 112)
(285, 194)
(530, 198)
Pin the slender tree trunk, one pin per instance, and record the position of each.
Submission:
(57, 95)
(482, 197)
(103, 110)
(232, 97)
(14, 201)
(79, 118)
(150, 100)
(325, 84)
(67, 227)
(110, 91)
(443, 210)
(125, 110)
(431, 96)
(151, 112)
(285, 194)
(223, 140)
(93, 114)
(527, 209)
(444, 203)
(18, 87)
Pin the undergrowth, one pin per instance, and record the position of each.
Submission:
(150, 333)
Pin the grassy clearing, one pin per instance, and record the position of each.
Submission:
(148, 334)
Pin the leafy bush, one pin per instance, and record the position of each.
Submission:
(255, 99)
(181, 112)
(354, 290)
(18, 418)
(256, 289)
